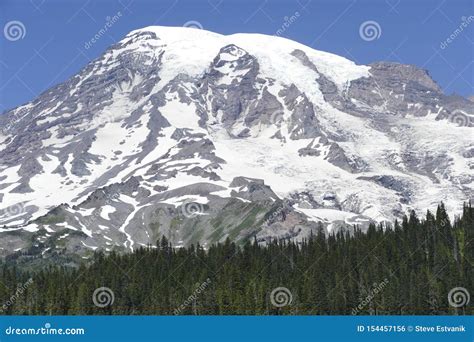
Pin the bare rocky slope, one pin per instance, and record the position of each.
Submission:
(199, 137)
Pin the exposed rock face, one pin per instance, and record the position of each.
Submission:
(201, 137)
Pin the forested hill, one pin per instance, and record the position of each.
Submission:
(419, 266)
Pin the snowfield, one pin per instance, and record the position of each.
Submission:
(171, 115)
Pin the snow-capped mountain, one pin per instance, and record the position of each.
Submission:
(199, 137)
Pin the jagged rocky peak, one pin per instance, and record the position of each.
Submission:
(200, 137)
(403, 74)
(139, 37)
(229, 54)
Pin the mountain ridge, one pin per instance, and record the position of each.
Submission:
(199, 137)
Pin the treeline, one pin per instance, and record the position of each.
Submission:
(410, 268)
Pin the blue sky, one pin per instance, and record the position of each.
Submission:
(43, 42)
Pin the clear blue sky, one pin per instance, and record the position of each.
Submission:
(51, 47)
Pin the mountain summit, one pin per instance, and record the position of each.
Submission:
(201, 137)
